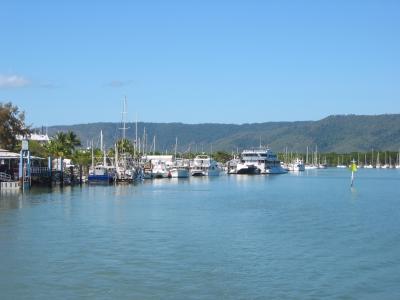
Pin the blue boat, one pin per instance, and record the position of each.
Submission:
(102, 174)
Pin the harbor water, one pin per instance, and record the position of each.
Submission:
(293, 236)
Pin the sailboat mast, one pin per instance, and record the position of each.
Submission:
(307, 156)
(176, 145)
(124, 120)
(154, 145)
(92, 157)
(101, 140)
(136, 140)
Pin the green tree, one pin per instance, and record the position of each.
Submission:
(125, 146)
(12, 124)
(63, 144)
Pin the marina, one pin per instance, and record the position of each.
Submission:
(199, 150)
(299, 235)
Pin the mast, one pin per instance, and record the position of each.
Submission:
(101, 140)
(124, 113)
(136, 140)
(154, 145)
(104, 157)
(116, 155)
(92, 157)
(176, 145)
(307, 156)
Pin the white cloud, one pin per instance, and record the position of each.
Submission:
(13, 81)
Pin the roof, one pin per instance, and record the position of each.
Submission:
(5, 154)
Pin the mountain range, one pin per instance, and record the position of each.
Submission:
(336, 133)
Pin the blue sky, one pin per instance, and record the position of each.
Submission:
(199, 61)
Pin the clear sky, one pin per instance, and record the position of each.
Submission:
(199, 61)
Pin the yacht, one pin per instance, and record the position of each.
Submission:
(179, 172)
(180, 169)
(204, 165)
(160, 169)
(261, 161)
(296, 165)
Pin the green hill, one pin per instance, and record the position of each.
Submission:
(340, 133)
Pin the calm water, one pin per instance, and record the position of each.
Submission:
(234, 237)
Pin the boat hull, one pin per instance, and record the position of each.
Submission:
(101, 179)
(179, 173)
(249, 170)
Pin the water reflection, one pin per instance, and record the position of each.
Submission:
(10, 199)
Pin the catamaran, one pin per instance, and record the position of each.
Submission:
(259, 161)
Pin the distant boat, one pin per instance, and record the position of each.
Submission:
(179, 172)
(378, 162)
(160, 170)
(371, 164)
(259, 161)
(341, 165)
(204, 165)
(180, 169)
(398, 160)
(296, 165)
(102, 172)
(314, 164)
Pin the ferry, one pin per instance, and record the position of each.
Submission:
(259, 161)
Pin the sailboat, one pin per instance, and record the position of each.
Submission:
(309, 166)
(179, 169)
(385, 166)
(101, 172)
(341, 166)
(378, 162)
(126, 168)
(398, 160)
(371, 164)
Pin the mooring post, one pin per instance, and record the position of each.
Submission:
(49, 169)
(62, 172)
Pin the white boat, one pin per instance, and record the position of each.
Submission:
(314, 164)
(340, 165)
(296, 166)
(310, 167)
(231, 166)
(160, 170)
(203, 165)
(179, 172)
(264, 160)
(180, 168)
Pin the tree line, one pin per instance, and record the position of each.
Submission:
(68, 145)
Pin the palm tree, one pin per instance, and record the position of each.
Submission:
(72, 140)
